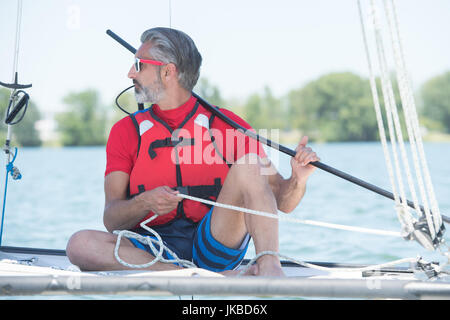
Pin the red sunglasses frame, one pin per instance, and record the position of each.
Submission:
(137, 63)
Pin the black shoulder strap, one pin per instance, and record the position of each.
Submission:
(136, 126)
(213, 140)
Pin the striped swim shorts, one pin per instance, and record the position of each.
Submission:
(194, 242)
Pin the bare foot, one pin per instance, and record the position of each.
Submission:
(269, 266)
(229, 273)
(252, 271)
(266, 266)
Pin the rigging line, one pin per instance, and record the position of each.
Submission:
(403, 215)
(15, 64)
(329, 269)
(414, 117)
(294, 220)
(392, 113)
(413, 134)
(390, 104)
(17, 42)
(387, 82)
(408, 112)
(9, 167)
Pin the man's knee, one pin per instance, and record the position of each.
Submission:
(82, 243)
(250, 167)
(76, 245)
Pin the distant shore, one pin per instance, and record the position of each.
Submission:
(294, 136)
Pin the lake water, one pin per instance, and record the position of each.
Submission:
(61, 192)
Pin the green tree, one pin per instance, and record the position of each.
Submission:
(435, 95)
(85, 121)
(253, 112)
(264, 111)
(211, 93)
(24, 133)
(335, 107)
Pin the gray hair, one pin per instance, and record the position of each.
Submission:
(174, 46)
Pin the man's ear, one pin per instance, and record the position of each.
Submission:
(169, 71)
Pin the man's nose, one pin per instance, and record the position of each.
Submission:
(132, 73)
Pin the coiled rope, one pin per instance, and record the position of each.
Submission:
(158, 254)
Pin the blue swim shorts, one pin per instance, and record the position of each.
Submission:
(194, 242)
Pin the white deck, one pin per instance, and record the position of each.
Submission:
(49, 272)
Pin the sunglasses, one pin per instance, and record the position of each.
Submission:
(138, 63)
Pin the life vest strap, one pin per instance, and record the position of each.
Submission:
(167, 142)
(202, 191)
(199, 191)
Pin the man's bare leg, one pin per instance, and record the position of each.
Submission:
(93, 250)
(245, 186)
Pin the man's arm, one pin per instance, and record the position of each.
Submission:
(121, 213)
(289, 192)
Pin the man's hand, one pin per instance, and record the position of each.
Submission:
(160, 200)
(301, 167)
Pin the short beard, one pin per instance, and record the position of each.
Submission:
(147, 95)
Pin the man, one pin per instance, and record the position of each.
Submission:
(178, 145)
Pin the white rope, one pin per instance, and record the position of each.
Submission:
(411, 136)
(309, 222)
(17, 41)
(328, 269)
(15, 67)
(293, 220)
(392, 115)
(426, 192)
(411, 112)
(158, 254)
(401, 208)
(188, 264)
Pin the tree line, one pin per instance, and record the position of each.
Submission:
(334, 107)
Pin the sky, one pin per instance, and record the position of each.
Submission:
(245, 45)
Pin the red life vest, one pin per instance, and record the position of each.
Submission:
(186, 158)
